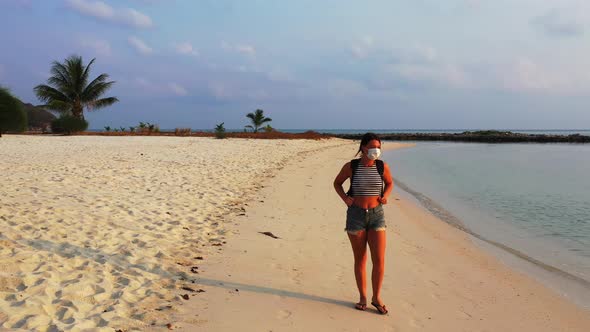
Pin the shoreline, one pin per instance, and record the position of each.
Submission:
(436, 278)
(551, 276)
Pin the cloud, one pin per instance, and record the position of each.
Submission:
(362, 48)
(177, 89)
(368, 49)
(170, 88)
(439, 73)
(244, 49)
(140, 46)
(559, 23)
(232, 91)
(186, 49)
(104, 12)
(100, 47)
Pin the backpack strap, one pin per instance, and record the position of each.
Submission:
(381, 169)
(354, 164)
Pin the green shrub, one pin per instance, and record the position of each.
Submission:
(107, 128)
(12, 114)
(67, 124)
(220, 131)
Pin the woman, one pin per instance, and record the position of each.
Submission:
(365, 221)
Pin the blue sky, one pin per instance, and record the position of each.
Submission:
(372, 64)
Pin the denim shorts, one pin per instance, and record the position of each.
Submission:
(358, 219)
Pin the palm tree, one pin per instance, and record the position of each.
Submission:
(69, 92)
(257, 119)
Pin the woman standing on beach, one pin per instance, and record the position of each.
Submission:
(371, 184)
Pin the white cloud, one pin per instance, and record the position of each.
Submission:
(362, 48)
(177, 89)
(236, 91)
(244, 49)
(442, 74)
(100, 47)
(560, 22)
(186, 49)
(104, 12)
(171, 88)
(140, 46)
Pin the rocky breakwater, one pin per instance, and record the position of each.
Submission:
(487, 136)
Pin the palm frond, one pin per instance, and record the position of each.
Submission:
(75, 71)
(96, 88)
(60, 78)
(47, 94)
(59, 106)
(104, 102)
(87, 71)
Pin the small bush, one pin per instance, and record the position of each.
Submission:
(182, 131)
(12, 115)
(220, 131)
(67, 124)
(269, 129)
(107, 128)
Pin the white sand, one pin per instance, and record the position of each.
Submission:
(435, 279)
(98, 232)
(84, 244)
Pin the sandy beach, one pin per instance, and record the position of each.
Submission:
(436, 279)
(100, 232)
(159, 233)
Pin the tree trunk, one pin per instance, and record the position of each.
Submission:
(77, 110)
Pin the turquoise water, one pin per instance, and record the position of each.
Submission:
(532, 200)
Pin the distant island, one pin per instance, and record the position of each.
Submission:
(482, 136)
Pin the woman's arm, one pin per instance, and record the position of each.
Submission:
(344, 174)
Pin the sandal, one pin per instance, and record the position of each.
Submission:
(381, 308)
(360, 306)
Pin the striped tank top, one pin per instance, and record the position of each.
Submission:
(367, 181)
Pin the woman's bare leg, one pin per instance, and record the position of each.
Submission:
(359, 249)
(377, 241)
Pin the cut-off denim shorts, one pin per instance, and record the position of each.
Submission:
(358, 219)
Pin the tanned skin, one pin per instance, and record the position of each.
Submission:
(375, 239)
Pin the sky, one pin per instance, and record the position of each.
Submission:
(330, 64)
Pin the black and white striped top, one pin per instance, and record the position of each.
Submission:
(366, 181)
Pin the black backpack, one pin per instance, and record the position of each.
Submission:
(354, 165)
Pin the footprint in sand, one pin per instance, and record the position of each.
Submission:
(284, 314)
(416, 323)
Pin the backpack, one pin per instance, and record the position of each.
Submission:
(355, 163)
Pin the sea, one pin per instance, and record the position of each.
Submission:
(527, 203)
